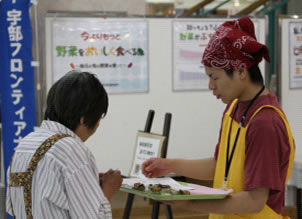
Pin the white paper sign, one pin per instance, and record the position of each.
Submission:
(147, 146)
(295, 54)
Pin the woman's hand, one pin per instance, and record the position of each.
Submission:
(110, 182)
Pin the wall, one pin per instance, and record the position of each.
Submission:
(294, 7)
(136, 7)
(290, 98)
(195, 115)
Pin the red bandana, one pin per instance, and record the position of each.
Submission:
(234, 46)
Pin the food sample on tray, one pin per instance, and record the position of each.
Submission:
(160, 189)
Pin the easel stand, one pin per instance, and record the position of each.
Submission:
(155, 204)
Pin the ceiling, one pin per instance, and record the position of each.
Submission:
(186, 4)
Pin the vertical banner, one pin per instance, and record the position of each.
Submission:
(190, 38)
(17, 75)
(295, 54)
(116, 50)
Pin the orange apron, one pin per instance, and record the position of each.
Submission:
(236, 173)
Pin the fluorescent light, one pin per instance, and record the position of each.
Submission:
(236, 3)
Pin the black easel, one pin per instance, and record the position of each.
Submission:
(166, 133)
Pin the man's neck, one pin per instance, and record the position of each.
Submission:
(251, 91)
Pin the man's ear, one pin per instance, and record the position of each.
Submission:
(243, 73)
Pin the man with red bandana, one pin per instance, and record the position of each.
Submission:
(255, 151)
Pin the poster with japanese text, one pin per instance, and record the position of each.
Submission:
(295, 54)
(190, 38)
(116, 50)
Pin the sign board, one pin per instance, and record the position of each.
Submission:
(116, 50)
(190, 38)
(147, 146)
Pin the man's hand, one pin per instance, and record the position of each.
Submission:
(156, 167)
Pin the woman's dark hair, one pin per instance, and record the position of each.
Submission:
(77, 95)
(254, 73)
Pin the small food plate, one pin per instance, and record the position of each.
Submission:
(196, 192)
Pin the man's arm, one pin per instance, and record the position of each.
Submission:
(203, 169)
